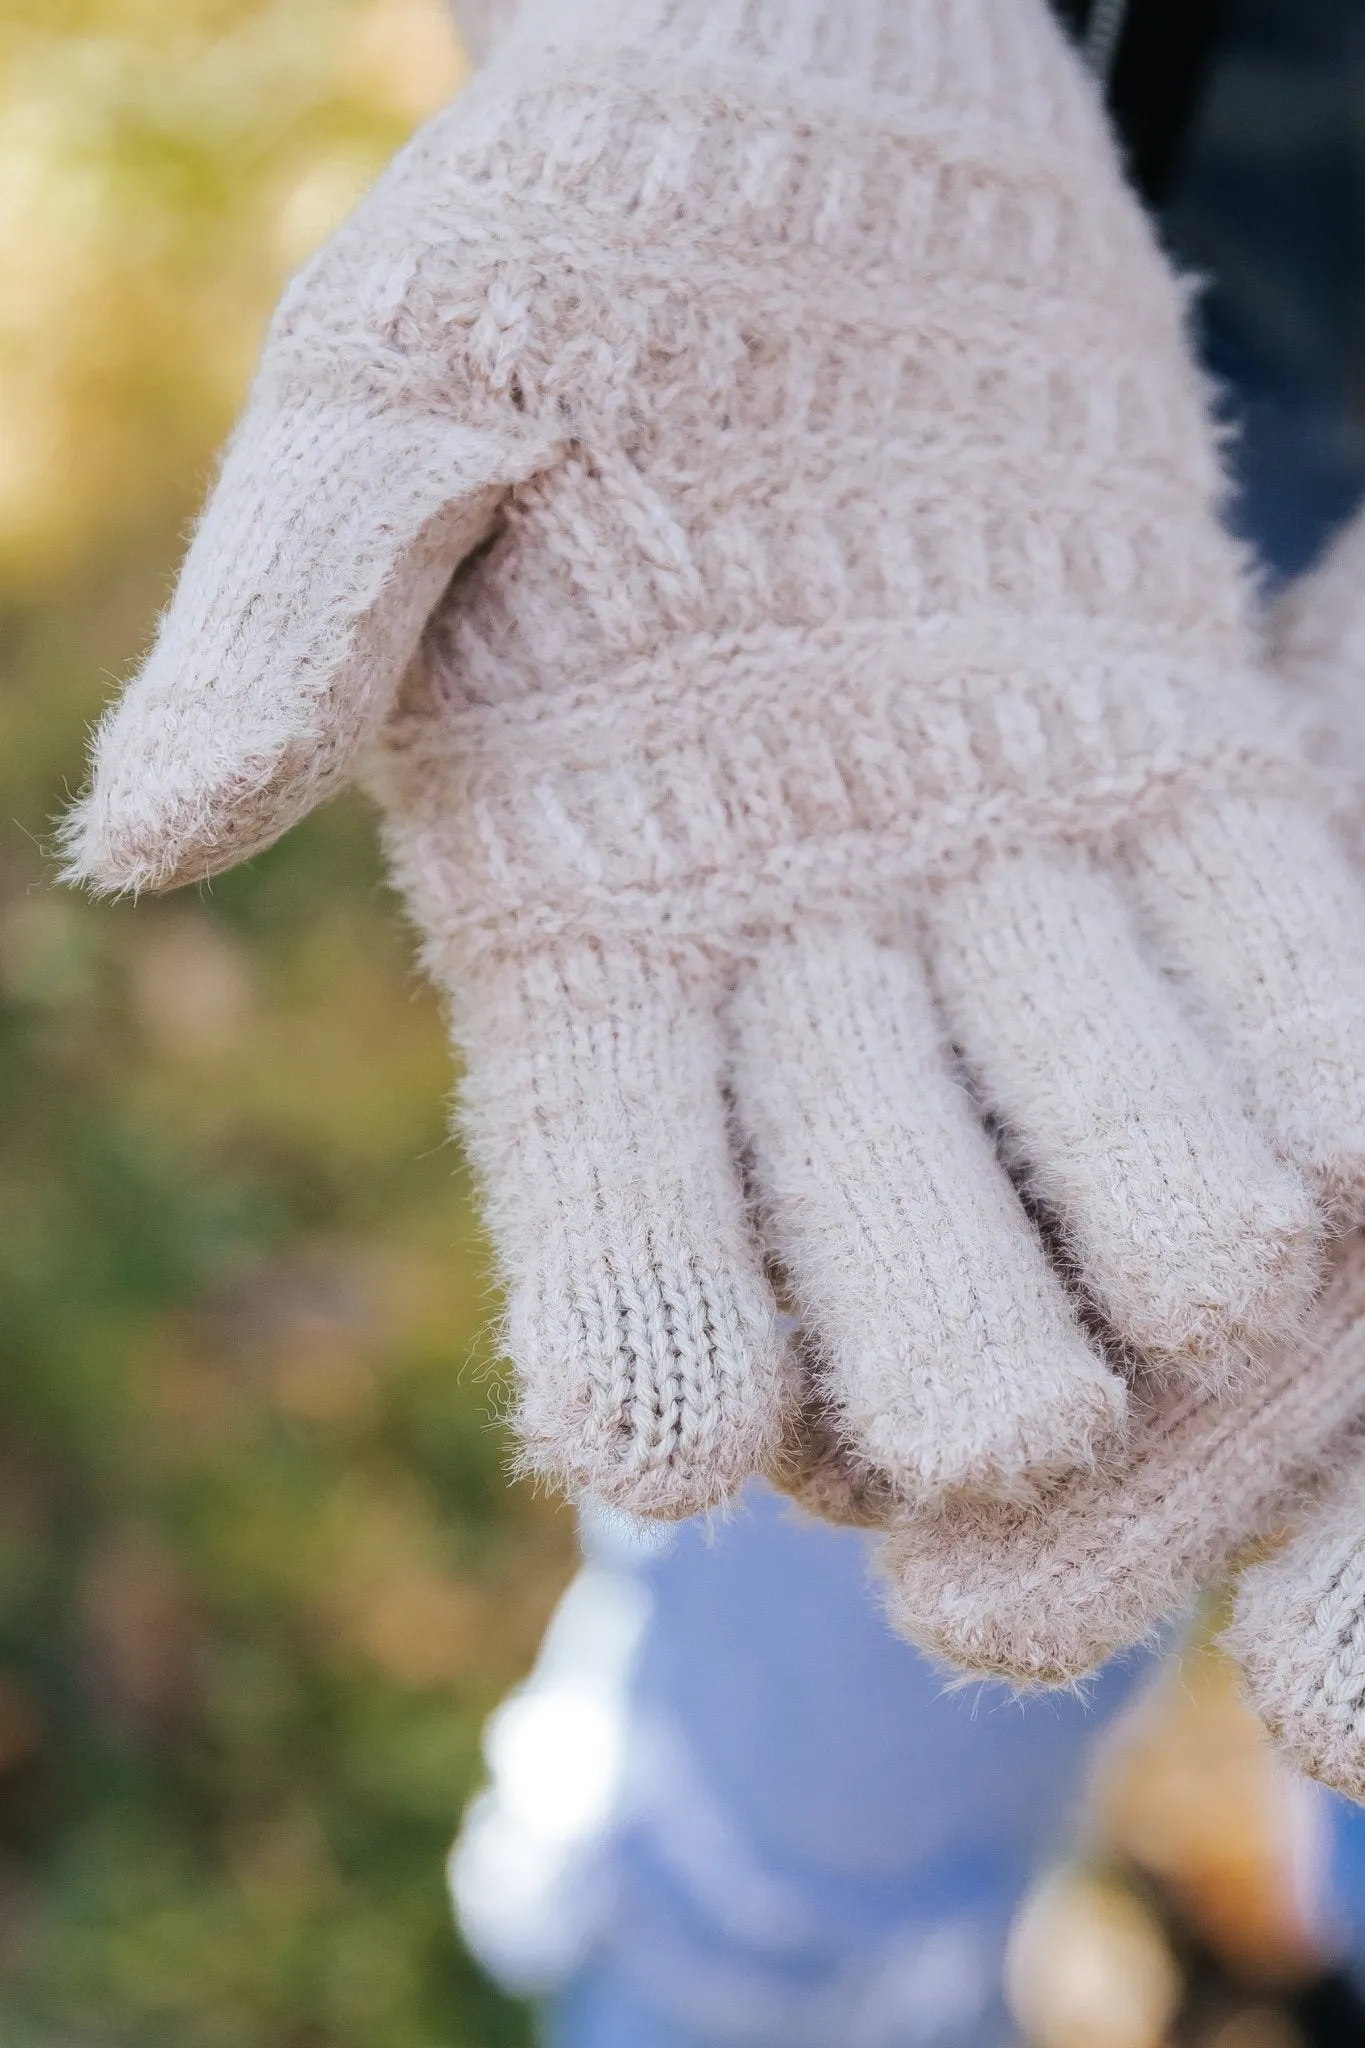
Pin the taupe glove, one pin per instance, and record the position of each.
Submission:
(1298, 1627)
(1044, 1596)
(846, 674)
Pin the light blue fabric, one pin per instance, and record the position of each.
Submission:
(822, 1833)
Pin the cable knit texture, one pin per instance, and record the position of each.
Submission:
(842, 737)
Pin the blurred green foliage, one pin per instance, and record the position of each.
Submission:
(260, 1575)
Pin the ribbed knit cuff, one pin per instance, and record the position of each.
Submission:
(721, 783)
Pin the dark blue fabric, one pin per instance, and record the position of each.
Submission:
(1270, 213)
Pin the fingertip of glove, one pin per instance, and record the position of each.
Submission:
(92, 854)
(1326, 1138)
(117, 843)
(979, 1634)
(173, 801)
(985, 1600)
(1007, 1447)
(824, 1476)
(668, 1490)
(1307, 1733)
(1231, 1285)
(657, 1385)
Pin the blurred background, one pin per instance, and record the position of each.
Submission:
(262, 1577)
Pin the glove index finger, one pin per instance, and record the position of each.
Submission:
(334, 527)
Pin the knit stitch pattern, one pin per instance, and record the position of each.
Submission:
(738, 491)
(1298, 1632)
(1044, 1596)
(1298, 1627)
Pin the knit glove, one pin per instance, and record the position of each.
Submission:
(738, 491)
(1045, 1594)
(1298, 1626)
(1045, 1597)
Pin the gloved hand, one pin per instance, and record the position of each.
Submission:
(1298, 1626)
(1046, 1596)
(846, 688)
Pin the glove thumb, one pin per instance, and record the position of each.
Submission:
(333, 530)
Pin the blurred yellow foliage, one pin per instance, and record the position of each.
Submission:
(261, 1576)
(162, 164)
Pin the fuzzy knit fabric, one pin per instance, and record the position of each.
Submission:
(1298, 1625)
(483, 23)
(1298, 1632)
(1316, 636)
(1045, 1594)
(739, 491)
